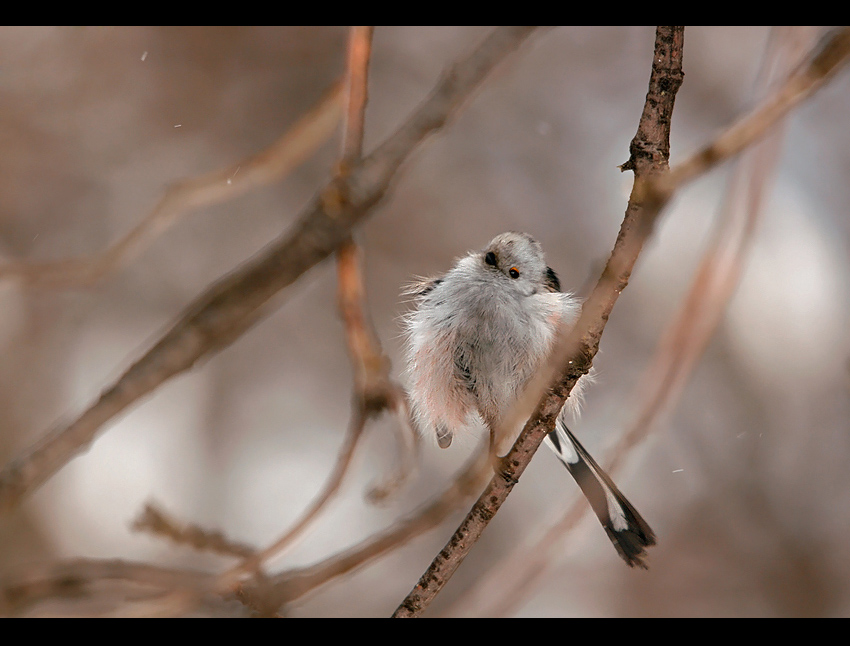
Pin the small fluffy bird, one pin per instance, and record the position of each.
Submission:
(476, 337)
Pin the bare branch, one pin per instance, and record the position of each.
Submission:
(824, 62)
(374, 389)
(653, 190)
(72, 579)
(685, 339)
(265, 167)
(364, 347)
(232, 305)
(293, 584)
(157, 522)
(359, 55)
(371, 366)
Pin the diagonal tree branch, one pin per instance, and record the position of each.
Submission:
(155, 521)
(269, 165)
(233, 304)
(74, 579)
(290, 585)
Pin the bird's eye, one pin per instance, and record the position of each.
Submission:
(490, 258)
(514, 272)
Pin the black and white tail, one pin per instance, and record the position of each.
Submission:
(629, 532)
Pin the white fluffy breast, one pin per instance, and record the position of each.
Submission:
(473, 345)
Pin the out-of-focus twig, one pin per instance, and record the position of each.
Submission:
(374, 390)
(253, 562)
(824, 61)
(157, 522)
(680, 347)
(269, 595)
(359, 53)
(357, 93)
(651, 192)
(73, 579)
(270, 165)
(372, 384)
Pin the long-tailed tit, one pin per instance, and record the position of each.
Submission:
(476, 337)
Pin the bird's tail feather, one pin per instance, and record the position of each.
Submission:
(628, 531)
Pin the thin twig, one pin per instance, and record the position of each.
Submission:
(293, 584)
(254, 562)
(72, 578)
(375, 390)
(357, 83)
(372, 385)
(265, 167)
(157, 522)
(361, 338)
(232, 305)
(826, 59)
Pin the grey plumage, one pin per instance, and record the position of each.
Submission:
(476, 337)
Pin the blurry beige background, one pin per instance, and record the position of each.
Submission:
(746, 482)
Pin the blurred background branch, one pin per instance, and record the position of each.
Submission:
(272, 164)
